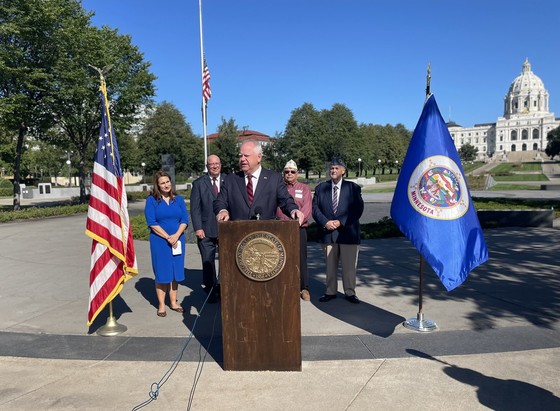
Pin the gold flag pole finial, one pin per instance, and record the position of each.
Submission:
(428, 79)
(101, 72)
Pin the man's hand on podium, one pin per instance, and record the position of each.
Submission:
(298, 215)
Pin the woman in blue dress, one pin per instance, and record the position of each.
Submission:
(167, 218)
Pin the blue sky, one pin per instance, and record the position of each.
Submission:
(268, 57)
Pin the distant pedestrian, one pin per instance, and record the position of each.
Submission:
(205, 190)
(302, 196)
(337, 208)
(167, 217)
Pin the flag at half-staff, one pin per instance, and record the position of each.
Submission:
(206, 89)
(432, 205)
(113, 259)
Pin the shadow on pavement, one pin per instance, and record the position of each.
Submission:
(368, 317)
(498, 394)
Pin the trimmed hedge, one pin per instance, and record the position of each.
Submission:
(42, 212)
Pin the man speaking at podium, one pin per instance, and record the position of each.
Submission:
(254, 193)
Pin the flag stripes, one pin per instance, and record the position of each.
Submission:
(206, 90)
(113, 259)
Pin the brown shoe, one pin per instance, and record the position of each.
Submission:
(305, 295)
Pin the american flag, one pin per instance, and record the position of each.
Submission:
(113, 260)
(206, 90)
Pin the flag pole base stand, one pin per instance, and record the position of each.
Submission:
(111, 328)
(420, 324)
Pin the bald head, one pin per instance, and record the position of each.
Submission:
(214, 165)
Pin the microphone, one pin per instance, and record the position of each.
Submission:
(258, 212)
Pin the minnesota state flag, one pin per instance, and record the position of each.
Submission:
(432, 205)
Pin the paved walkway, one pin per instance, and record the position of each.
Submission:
(497, 346)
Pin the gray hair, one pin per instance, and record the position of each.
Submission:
(257, 146)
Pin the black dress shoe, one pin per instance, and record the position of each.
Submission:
(327, 297)
(353, 299)
(214, 297)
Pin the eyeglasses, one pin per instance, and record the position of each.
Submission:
(290, 172)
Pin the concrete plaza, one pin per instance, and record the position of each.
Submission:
(497, 346)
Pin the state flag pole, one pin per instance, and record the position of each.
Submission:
(432, 205)
(420, 323)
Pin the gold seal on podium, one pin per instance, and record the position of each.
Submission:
(260, 256)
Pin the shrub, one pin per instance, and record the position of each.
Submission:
(42, 212)
(140, 229)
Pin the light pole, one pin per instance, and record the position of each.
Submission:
(69, 170)
(379, 163)
(397, 165)
(143, 172)
(359, 167)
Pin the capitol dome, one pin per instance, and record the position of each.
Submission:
(526, 94)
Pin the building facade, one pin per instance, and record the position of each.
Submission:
(523, 128)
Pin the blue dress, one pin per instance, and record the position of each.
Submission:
(167, 267)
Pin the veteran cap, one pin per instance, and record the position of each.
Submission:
(290, 165)
(337, 162)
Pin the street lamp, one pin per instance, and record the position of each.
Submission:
(379, 163)
(359, 167)
(69, 174)
(143, 172)
(397, 165)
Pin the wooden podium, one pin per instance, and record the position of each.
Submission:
(260, 293)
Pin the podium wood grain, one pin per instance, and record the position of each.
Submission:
(261, 320)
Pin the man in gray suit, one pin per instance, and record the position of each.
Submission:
(254, 192)
(205, 189)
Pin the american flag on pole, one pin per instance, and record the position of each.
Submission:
(113, 260)
(206, 90)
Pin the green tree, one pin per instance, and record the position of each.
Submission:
(46, 80)
(304, 131)
(276, 153)
(28, 51)
(383, 147)
(553, 145)
(467, 152)
(167, 132)
(339, 135)
(226, 145)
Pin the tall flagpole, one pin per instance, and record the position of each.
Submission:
(420, 323)
(202, 85)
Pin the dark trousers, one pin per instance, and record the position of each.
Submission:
(304, 277)
(207, 247)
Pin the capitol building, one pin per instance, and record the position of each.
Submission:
(520, 135)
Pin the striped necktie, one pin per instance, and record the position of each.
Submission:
(250, 188)
(335, 199)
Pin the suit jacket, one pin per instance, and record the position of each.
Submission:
(270, 193)
(202, 199)
(349, 210)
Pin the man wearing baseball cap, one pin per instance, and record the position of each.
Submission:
(302, 196)
(337, 208)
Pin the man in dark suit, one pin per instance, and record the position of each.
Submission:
(337, 208)
(254, 192)
(205, 189)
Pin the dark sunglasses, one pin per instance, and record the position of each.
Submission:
(289, 172)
